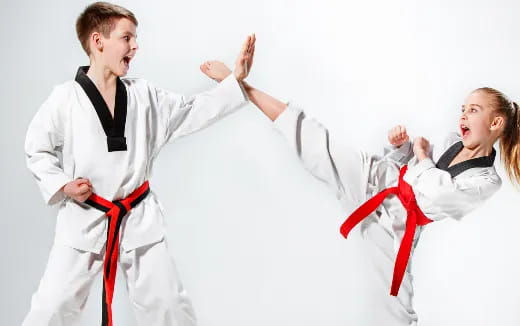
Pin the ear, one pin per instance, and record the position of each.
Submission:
(96, 41)
(497, 123)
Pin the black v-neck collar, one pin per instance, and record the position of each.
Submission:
(114, 127)
(454, 170)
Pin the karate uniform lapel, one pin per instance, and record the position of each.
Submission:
(114, 127)
(456, 169)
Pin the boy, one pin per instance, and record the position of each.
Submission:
(91, 147)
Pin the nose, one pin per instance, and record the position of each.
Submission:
(135, 46)
(463, 115)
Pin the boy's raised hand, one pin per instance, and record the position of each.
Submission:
(79, 189)
(218, 71)
(398, 135)
(245, 58)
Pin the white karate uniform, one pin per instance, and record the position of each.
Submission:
(68, 139)
(356, 176)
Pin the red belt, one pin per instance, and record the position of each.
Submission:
(115, 212)
(414, 217)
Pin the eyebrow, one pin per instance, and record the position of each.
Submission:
(472, 105)
(130, 33)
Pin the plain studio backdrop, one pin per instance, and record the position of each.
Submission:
(254, 236)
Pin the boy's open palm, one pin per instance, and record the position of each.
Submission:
(245, 58)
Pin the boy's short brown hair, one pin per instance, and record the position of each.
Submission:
(100, 17)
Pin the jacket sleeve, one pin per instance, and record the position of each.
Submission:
(402, 154)
(43, 145)
(440, 196)
(181, 115)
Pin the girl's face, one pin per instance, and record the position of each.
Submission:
(477, 120)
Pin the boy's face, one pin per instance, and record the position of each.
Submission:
(120, 48)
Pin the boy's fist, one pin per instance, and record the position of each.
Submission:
(397, 135)
(79, 189)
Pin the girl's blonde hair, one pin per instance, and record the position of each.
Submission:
(510, 138)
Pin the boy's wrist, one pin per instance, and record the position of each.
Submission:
(237, 76)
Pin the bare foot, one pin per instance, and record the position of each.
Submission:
(215, 70)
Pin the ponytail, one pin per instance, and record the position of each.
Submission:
(510, 144)
(510, 138)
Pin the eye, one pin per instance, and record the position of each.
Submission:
(473, 110)
(127, 38)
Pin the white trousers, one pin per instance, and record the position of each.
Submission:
(358, 169)
(153, 285)
(380, 246)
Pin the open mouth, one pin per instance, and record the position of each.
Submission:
(464, 130)
(127, 60)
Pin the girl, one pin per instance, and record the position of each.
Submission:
(412, 184)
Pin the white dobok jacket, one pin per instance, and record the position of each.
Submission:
(356, 176)
(73, 135)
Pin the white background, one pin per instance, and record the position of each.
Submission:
(255, 237)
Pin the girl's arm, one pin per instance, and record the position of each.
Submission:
(400, 146)
(440, 195)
